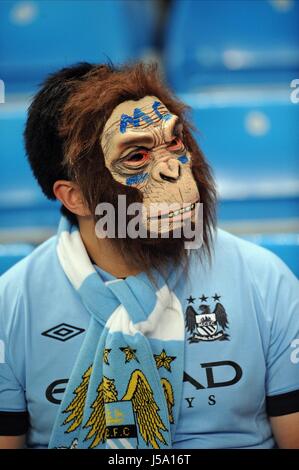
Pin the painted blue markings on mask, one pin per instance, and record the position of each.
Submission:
(134, 121)
(136, 179)
(183, 159)
(139, 115)
(124, 121)
(155, 107)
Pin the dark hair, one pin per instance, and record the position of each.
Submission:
(43, 144)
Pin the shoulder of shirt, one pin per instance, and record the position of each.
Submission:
(29, 269)
(261, 263)
(24, 281)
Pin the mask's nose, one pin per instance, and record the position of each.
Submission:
(169, 170)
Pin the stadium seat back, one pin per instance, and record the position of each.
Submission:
(212, 42)
(38, 37)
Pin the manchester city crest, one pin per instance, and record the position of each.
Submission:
(208, 323)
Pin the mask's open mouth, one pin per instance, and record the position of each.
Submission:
(181, 211)
(185, 209)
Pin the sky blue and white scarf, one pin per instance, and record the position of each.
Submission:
(126, 384)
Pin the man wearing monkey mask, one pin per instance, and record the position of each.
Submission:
(148, 341)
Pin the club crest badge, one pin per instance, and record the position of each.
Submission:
(206, 324)
(120, 422)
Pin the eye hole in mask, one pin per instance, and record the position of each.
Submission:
(175, 144)
(137, 159)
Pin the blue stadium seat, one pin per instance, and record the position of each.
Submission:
(143, 18)
(211, 42)
(40, 36)
(251, 140)
(11, 254)
(22, 204)
(286, 246)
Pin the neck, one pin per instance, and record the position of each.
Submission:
(103, 252)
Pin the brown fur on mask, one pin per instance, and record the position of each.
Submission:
(83, 120)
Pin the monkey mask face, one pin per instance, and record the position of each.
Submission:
(143, 148)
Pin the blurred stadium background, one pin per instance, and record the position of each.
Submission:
(233, 61)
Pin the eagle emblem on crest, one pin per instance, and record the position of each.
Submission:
(112, 417)
(207, 325)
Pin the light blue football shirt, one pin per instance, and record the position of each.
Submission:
(241, 348)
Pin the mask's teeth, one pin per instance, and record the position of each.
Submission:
(178, 212)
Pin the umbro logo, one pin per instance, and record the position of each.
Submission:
(63, 332)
